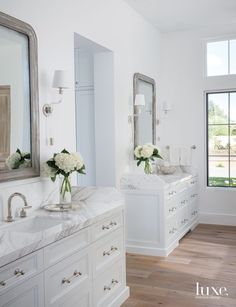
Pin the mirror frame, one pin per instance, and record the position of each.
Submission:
(140, 77)
(24, 28)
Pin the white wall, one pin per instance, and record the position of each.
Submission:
(111, 23)
(183, 85)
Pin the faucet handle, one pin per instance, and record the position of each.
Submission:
(23, 211)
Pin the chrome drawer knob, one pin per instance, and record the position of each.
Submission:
(2, 283)
(77, 274)
(65, 280)
(107, 288)
(19, 272)
(105, 227)
(114, 281)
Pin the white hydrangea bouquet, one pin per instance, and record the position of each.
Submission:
(18, 160)
(145, 154)
(63, 164)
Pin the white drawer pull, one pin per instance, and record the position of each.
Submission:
(113, 248)
(2, 283)
(19, 272)
(193, 195)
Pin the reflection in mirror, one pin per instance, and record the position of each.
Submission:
(145, 115)
(19, 136)
(14, 100)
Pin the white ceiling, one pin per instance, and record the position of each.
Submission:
(176, 15)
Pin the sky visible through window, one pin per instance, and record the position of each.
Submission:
(221, 58)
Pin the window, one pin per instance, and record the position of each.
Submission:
(221, 139)
(221, 58)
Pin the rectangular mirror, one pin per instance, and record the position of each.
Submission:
(19, 137)
(144, 110)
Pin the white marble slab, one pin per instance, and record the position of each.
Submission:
(89, 206)
(133, 181)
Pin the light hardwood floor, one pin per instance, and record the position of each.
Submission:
(207, 255)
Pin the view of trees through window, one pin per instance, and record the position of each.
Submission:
(221, 124)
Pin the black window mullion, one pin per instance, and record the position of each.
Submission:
(229, 135)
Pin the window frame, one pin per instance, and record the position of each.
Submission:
(215, 40)
(206, 94)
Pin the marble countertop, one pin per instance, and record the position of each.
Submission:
(89, 205)
(132, 181)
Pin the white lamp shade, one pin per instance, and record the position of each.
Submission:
(139, 100)
(60, 79)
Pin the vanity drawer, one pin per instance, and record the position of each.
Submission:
(20, 270)
(108, 250)
(70, 274)
(107, 225)
(63, 248)
(108, 284)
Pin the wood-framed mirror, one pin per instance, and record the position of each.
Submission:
(144, 88)
(19, 122)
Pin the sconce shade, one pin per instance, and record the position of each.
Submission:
(139, 100)
(60, 79)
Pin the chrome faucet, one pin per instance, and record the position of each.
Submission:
(22, 212)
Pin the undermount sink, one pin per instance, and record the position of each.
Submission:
(34, 225)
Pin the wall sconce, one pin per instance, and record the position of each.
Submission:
(166, 107)
(139, 102)
(60, 81)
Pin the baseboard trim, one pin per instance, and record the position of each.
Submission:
(217, 219)
(121, 298)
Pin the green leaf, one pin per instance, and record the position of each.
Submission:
(53, 178)
(18, 151)
(65, 151)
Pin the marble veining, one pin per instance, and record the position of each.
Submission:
(89, 205)
(133, 181)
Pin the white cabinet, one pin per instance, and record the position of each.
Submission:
(86, 269)
(28, 294)
(158, 217)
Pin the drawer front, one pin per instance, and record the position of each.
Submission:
(183, 219)
(28, 294)
(64, 277)
(108, 284)
(63, 248)
(106, 226)
(108, 250)
(172, 207)
(76, 299)
(20, 270)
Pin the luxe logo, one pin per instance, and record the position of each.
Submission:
(210, 292)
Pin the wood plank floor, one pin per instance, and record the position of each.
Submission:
(207, 255)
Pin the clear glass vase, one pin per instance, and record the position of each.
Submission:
(65, 191)
(147, 167)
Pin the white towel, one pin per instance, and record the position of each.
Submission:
(174, 155)
(185, 156)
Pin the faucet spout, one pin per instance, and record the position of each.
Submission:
(9, 204)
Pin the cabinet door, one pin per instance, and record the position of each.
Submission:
(28, 294)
